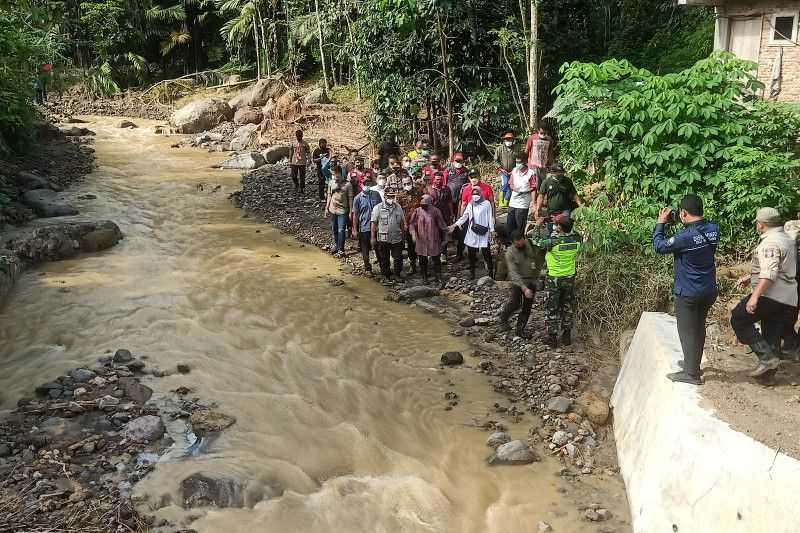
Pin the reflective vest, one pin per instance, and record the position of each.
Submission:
(562, 254)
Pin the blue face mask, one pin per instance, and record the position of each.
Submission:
(426, 153)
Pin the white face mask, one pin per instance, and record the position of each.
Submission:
(381, 182)
(509, 143)
(474, 183)
(389, 201)
(477, 199)
(406, 164)
(407, 187)
(458, 164)
(367, 188)
(519, 166)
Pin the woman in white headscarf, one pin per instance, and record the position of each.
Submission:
(479, 223)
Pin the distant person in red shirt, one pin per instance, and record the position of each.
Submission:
(540, 149)
(357, 173)
(433, 168)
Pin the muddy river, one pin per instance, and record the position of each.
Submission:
(337, 393)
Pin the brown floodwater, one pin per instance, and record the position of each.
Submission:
(337, 393)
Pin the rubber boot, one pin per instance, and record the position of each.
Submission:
(767, 360)
(566, 338)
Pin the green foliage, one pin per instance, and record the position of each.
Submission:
(701, 130)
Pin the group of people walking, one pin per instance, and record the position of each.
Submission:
(415, 206)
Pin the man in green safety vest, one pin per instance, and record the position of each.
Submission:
(561, 255)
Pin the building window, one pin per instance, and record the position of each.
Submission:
(783, 28)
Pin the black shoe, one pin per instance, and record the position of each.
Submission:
(566, 338)
(680, 364)
(765, 367)
(551, 341)
(683, 377)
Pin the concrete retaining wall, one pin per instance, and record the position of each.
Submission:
(685, 470)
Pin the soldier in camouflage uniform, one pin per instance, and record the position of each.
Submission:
(561, 253)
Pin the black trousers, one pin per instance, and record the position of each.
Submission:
(321, 183)
(437, 265)
(517, 219)
(365, 245)
(411, 248)
(518, 301)
(299, 177)
(691, 313)
(776, 320)
(472, 253)
(383, 250)
(459, 235)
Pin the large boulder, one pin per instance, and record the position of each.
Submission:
(245, 161)
(248, 115)
(415, 293)
(211, 490)
(126, 124)
(269, 108)
(47, 203)
(317, 96)
(28, 181)
(76, 131)
(595, 405)
(273, 154)
(244, 137)
(200, 115)
(257, 95)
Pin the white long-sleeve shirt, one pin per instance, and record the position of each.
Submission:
(482, 214)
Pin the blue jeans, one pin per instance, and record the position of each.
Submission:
(339, 229)
(505, 190)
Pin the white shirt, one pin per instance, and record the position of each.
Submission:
(482, 214)
(522, 185)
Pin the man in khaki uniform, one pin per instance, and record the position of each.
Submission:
(773, 300)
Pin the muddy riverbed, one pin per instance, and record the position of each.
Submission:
(338, 394)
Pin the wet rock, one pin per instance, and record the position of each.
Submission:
(452, 358)
(275, 153)
(100, 239)
(81, 375)
(211, 490)
(248, 115)
(498, 439)
(184, 368)
(145, 429)
(597, 515)
(45, 388)
(247, 161)
(559, 404)
(544, 527)
(415, 293)
(595, 406)
(107, 401)
(205, 421)
(5, 450)
(516, 452)
(136, 365)
(47, 203)
(76, 131)
(126, 124)
(122, 356)
(136, 391)
(201, 115)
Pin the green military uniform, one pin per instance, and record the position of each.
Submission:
(561, 258)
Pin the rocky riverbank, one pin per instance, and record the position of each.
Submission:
(127, 104)
(71, 453)
(566, 388)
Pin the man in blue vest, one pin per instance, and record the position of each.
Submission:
(695, 289)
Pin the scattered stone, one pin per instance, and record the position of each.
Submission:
(145, 429)
(248, 115)
(123, 356)
(5, 450)
(452, 358)
(206, 421)
(107, 401)
(559, 404)
(486, 281)
(498, 439)
(184, 368)
(595, 406)
(81, 375)
(136, 365)
(516, 452)
(544, 527)
(555, 388)
(560, 438)
(245, 138)
(136, 391)
(246, 161)
(47, 203)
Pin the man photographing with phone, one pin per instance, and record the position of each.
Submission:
(695, 288)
